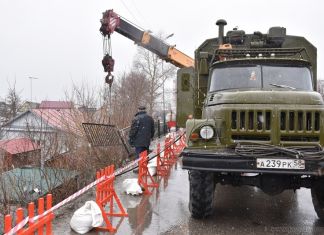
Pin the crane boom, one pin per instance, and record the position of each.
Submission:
(111, 22)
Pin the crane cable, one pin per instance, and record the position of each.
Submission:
(106, 45)
(108, 63)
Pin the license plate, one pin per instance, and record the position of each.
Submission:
(280, 163)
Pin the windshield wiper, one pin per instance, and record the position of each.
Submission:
(282, 86)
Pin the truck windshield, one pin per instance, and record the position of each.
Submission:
(261, 77)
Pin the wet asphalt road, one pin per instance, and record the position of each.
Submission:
(238, 210)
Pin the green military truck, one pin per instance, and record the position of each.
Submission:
(257, 118)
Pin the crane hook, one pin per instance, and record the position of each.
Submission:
(109, 79)
(108, 63)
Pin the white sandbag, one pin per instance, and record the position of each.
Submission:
(86, 217)
(152, 166)
(132, 187)
(152, 170)
(168, 135)
(152, 162)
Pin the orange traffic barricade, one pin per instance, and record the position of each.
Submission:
(106, 195)
(179, 145)
(169, 154)
(145, 179)
(43, 225)
(162, 169)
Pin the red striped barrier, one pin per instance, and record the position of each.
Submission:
(21, 224)
(43, 223)
(106, 195)
(180, 145)
(169, 154)
(145, 179)
(162, 169)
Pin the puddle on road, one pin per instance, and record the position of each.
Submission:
(155, 214)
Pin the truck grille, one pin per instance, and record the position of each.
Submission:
(299, 121)
(245, 120)
(290, 125)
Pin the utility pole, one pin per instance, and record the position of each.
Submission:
(31, 88)
(163, 100)
(164, 124)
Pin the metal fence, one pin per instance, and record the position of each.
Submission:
(105, 135)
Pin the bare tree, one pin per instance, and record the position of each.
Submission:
(65, 150)
(85, 98)
(129, 91)
(156, 72)
(13, 102)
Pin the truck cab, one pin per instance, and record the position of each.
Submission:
(257, 119)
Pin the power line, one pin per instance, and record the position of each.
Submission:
(129, 11)
(141, 15)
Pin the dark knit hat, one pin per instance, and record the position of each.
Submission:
(141, 107)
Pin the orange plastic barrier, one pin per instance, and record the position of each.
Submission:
(179, 145)
(144, 175)
(169, 154)
(106, 195)
(41, 225)
(162, 169)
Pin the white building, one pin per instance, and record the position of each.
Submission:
(55, 129)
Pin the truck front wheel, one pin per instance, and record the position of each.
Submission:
(202, 188)
(318, 197)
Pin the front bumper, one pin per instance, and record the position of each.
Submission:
(229, 161)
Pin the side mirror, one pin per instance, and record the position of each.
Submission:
(203, 64)
(185, 82)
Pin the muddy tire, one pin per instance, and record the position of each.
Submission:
(318, 198)
(202, 188)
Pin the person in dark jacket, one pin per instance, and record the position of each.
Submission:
(142, 131)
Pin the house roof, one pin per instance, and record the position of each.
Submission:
(64, 119)
(56, 105)
(18, 145)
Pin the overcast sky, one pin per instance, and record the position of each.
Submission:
(59, 41)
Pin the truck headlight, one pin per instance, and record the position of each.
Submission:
(206, 132)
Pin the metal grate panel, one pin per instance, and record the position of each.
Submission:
(102, 134)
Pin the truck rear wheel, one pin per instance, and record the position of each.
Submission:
(318, 198)
(202, 188)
